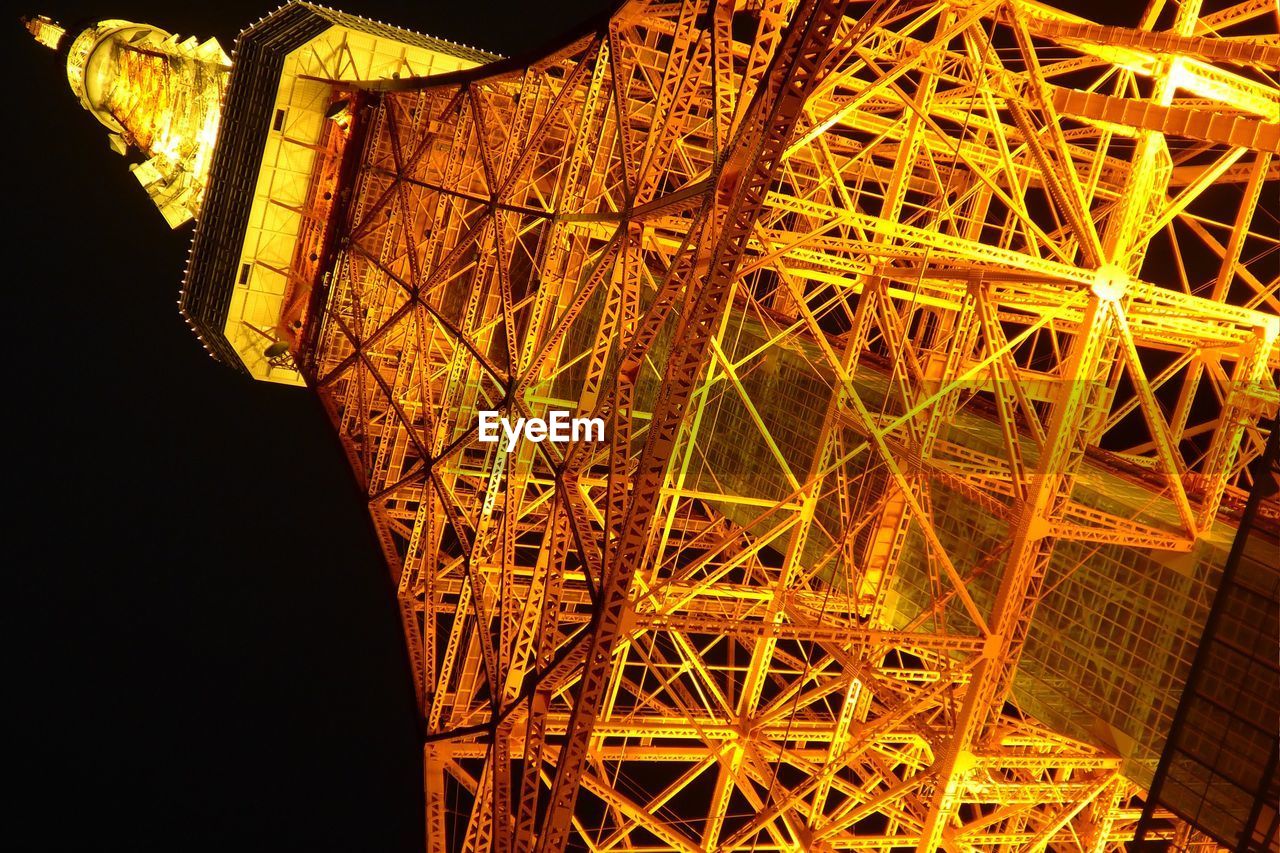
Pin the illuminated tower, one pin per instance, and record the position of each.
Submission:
(155, 94)
(936, 345)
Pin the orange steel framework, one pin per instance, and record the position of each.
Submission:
(679, 639)
(962, 194)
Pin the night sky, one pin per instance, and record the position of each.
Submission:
(207, 646)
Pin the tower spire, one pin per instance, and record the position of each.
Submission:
(153, 93)
(47, 31)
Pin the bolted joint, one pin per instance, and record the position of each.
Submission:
(1110, 282)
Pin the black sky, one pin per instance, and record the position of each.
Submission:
(206, 647)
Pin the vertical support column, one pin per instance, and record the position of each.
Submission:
(1082, 381)
(1249, 373)
(433, 761)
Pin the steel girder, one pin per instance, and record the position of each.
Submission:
(652, 644)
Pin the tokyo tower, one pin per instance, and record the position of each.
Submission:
(790, 425)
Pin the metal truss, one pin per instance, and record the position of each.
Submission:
(941, 210)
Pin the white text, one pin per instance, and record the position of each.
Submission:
(559, 427)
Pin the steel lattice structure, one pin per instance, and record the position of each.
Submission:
(933, 208)
(899, 315)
